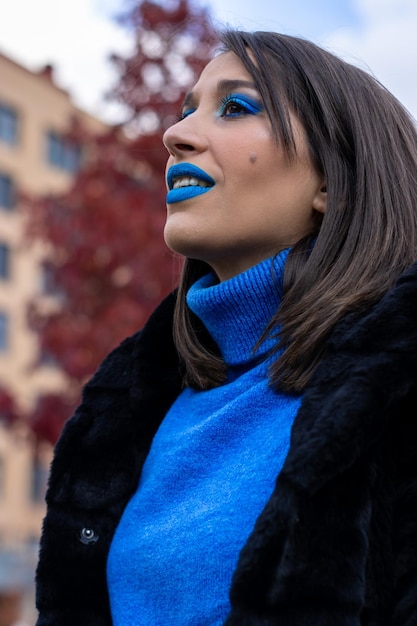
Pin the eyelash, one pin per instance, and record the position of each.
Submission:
(246, 106)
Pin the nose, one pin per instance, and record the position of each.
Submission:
(184, 137)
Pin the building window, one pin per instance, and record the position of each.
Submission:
(8, 124)
(7, 193)
(4, 261)
(4, 332)
(63, 153)
(39, 481)
(47, 359)
(47, 279)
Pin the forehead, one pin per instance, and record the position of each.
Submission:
(223, 67)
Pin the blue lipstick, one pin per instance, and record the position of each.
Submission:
(191, 191)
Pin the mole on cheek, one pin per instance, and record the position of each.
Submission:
(253, 158)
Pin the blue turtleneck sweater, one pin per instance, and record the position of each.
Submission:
(210, 471)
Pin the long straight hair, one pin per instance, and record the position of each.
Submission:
(364, 144)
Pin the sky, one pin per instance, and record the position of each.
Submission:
(77, 38)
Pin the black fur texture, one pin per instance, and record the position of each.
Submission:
(336, 544)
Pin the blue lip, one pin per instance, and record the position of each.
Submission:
(185, 193)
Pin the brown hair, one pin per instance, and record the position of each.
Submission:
(364, 143)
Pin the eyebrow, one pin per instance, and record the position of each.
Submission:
(223, 86)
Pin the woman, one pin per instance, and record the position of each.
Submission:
(249, 457)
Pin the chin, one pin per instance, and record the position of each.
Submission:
(181, 236)
(179, 241)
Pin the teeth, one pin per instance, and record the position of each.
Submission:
(189, 181)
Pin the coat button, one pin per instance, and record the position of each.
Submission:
(87, 535)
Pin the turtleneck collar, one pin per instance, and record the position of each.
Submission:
(237, 311)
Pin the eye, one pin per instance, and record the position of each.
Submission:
(237, 105)
(185, 113)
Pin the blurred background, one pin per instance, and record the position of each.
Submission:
(86, 90)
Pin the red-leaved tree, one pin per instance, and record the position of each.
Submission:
(107, 259)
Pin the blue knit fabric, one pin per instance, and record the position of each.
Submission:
(211, 469)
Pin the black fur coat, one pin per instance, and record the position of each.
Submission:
(336, 544)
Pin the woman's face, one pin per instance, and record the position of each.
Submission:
(234, 198)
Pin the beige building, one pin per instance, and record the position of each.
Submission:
(35, 158)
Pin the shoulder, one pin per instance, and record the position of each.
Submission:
(121, 406)
(359, 391)
(148, 347)
(390, 324)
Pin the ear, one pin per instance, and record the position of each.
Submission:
(320, 199)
